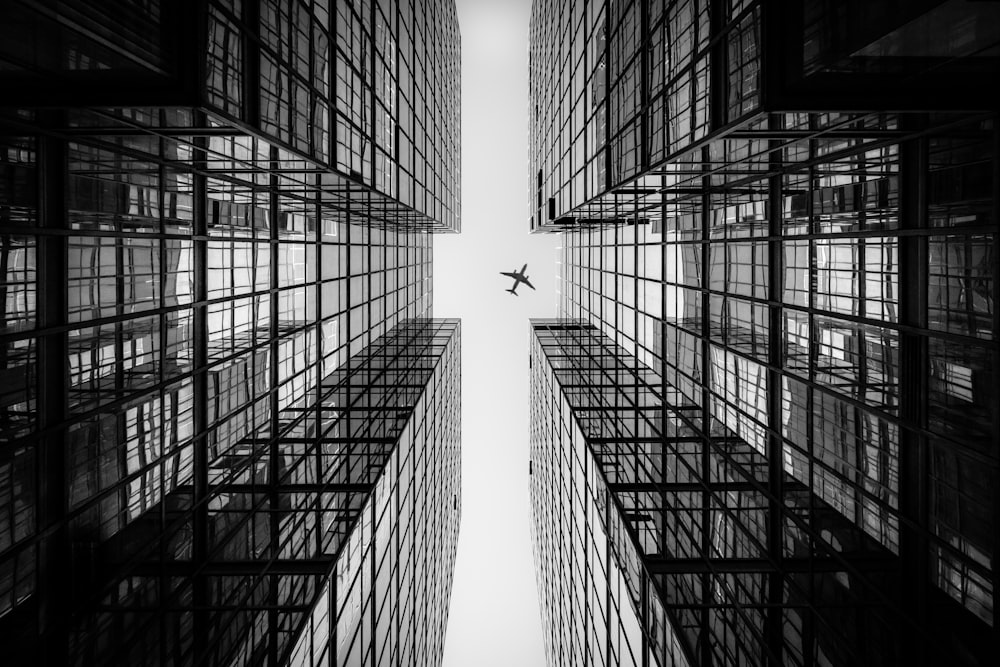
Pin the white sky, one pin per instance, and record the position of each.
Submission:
(494, 617)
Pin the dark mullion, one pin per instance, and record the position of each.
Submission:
(968, 278)
(370, 252)
(274, 387)
(251, 41)
(397, 546)
(914, 544)
(370, 556)
(395, 100)
(809, 617)
(200, 593)
(995, 216)
(53, 568)
(370, 83)
(608, 182)
(704, 649)
(644, 94)
(718, 90)
(168, 399)
(775, 501)
(120, 319)
(855, 456)
(316, 409)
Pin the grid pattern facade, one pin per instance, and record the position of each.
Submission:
(814, 293)
(181, 283)
(368, 88)
(598, 604)
(387, 601)
(692, 549)
(365, 90)
(619, 89)
(345, 559)
(794, 333)
(617, 86)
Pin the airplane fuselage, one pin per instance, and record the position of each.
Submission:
(519, 277)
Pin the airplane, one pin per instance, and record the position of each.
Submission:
(519, 278)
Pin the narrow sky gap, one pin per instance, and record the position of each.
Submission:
(494, 618)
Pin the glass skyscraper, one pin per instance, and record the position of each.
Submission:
(765, 427)
(229, 429)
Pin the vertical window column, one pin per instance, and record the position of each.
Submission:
(53, 548)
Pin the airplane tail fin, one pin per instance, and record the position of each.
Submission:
(512, 292)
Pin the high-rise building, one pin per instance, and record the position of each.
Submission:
(229, 429)
(764, 426)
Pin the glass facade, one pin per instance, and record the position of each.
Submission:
(367, 91)
(621, 90)
(228, 429)
(811, 297)
(595, 429)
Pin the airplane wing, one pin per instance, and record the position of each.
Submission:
(525, 281)
(509, 275)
